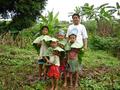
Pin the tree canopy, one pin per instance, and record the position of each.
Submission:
(23, 12)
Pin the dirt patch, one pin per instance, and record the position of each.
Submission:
(93, 72)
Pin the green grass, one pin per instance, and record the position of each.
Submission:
(101, 71)
(15, 65)
(97, 58)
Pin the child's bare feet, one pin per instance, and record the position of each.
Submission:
(52, 88)
(39, 78)
(71, 85)
(56, 88)
(76, 85)
(65, 84)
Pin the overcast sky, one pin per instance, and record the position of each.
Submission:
(66, 6)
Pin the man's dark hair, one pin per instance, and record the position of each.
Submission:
(75, 14)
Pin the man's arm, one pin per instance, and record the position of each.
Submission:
(85, 43)
(85, 36)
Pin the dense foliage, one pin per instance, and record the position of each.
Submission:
(104, 15)
(22, 12)
(51, 20)
(18, 59)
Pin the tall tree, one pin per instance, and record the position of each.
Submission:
(24, 12)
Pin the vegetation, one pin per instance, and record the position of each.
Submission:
(100, 66)
(103, 15)
(102, 26)
(22, 12)
(51, 21)
(18, 68)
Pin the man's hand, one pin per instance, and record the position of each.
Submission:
(85, 48)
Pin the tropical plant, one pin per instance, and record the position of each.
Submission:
(51, 20)
(103, 15)
(117, 8)
(77, 10)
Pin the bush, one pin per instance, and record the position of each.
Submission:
(106, 43)
(91, 27)
(101, 43)
(116, 47)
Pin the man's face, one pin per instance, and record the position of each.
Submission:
(45, 31)
(76, 20)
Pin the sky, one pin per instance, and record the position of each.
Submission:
(66, 6)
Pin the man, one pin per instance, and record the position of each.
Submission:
(81, 40)
(80, 30)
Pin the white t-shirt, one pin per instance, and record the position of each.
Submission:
(55, 60)
(80, 31)
(43, 47)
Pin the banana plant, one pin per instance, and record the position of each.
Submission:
(51, 20)
(102, 15)
(101, 12)
(77, 10)
(118, 8)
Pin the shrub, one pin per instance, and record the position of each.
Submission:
(102, 43)
(91, 27)
(106, 43)
(116, 47)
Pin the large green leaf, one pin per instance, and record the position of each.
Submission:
(51, 20)
(117, 5)
(44, 19)
(103, 5)
(112, 11)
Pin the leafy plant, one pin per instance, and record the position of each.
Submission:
(106, 43)
(103, 15)
(51, 21)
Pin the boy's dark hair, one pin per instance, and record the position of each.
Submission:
(44, 27)
(76, 14)
(40, 31)
(72, 35)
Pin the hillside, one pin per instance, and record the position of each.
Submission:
(18, 70)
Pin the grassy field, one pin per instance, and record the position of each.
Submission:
(19, 71)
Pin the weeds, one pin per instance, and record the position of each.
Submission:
(19, 71)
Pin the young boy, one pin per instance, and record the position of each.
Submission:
(73, 63)
(61, 37)
(53, 62)
(61, 43)
(41, 46)
(53, 71)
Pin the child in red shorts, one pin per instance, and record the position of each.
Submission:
(53, 71)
